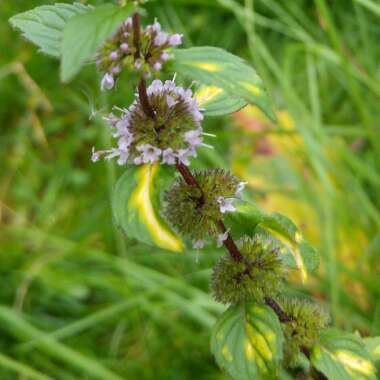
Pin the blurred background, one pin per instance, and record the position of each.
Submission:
(78, 300)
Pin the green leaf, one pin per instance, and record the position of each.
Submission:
(245, 219)
(306, 258)
(44, 25)
(135, 203)
(216, 67)
(85, 33)
(217, 102)
(373, 347)
(342, 356)
(247, 342)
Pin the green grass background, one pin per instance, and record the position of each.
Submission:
(78, 300)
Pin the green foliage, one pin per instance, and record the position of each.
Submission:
(247, 342)
(85, 33)
(297, 252)
(373, 347)
(217, 102)
(342, 356)
(135, 203)
(216, 67)
(260, 274)
(44, 25)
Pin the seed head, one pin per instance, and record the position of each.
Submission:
(259, 275)
(306, 322)
(194, 211)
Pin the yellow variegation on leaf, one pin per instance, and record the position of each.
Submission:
(135, 202)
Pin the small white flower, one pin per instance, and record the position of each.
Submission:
(198, 244)
(149, 152)
(226, 204)
(168, 156)
(107, 82)
(240, 188)
(175, 39)
(221, 238)
(194, 138)
(95, 155)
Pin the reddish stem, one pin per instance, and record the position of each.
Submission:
(136, 33)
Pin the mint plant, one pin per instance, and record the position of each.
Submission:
(160, 201)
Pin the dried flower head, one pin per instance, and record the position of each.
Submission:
(307, 320)
(259, 275)
(172, 134)
(194, 211)
(120, 52)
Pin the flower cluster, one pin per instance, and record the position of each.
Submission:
(258, 275)
(307, 320)
(172, 134)
(120, 51)
(194, 211)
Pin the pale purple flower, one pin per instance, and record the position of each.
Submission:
(170, 101)
(125, 141)
(175, 39)
(160, 39)
(107, 82)
(114, 55)
(194, 138)
(116, 70)
(183, 156)
(164, 56)
(169, 85)
(225, 204)
(198, 244)
(149, 152)
(125, 34)
(168, 156)
(124, 47)
(155, 88)
(157, 66)
(138, 64)
(128, 22)
(138, 160)
(222, 238)
(95, 155)
(123, 156)
(156, 26)
(240, 188)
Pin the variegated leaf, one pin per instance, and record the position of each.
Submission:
(247, 342)
(342, 356)
(216, 67)
(135, 204)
